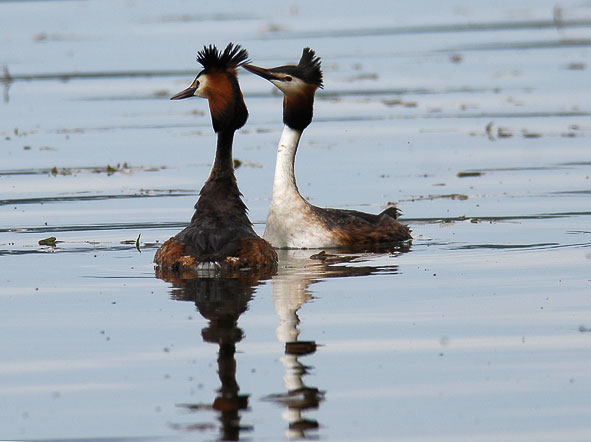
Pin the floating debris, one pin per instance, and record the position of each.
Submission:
(367, 76)
(321, 255)
(527, 134)
(55, 171)
(398, 102)
(135, 242)
(108, 169)
(272, 27)
(468, 174)
(488, 130)
(453, 196)
(395, 102)
(51, 241)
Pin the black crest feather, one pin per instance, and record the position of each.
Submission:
(232, 57)
(310, 67)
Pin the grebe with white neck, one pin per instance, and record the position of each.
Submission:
(292, 222)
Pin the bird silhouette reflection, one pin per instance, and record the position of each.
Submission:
(223, 299)
(298, 270)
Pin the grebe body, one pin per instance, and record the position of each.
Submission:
(220, 235)
(292, 222)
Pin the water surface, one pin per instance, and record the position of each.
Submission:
(474, 118)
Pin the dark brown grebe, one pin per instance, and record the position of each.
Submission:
(220, 235)
(292, 222)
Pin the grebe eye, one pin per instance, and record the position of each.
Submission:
(287, 78)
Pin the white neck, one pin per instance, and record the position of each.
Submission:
(291, 222)
(284, 183)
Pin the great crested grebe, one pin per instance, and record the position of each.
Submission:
(220, 235)
(292, 222)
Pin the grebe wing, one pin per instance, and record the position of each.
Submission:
(351, 227)
(343, 216)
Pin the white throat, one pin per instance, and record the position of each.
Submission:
(284, 184)
(291, 222)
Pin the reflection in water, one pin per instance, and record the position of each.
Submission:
(298, 269)
(221, 301)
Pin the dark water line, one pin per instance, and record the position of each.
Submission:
(576, 163)
(546, 246)
(327, 94)
(338, 267)
(177, 224)
(493, 218)
(91, 248)
(541, 44)
(571, 192)
(402, 91)
(435, 29)
(418, 114)
(66, 76)
(506, 246)
(466, 115)
(44, 200)
(91, 228)
(109, 170)
(521, 169)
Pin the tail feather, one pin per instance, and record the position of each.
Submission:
(391, 211)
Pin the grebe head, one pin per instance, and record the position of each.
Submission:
(305, 77)
(298, 84)
(218, 82)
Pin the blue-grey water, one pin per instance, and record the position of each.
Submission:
(473, 116)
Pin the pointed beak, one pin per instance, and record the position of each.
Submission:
(189, 92)
(261, 72)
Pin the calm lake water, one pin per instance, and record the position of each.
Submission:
(473, 116)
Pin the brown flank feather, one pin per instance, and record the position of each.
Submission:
(251, 253)
(386, 231)
(256, 253)
(169, 255)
